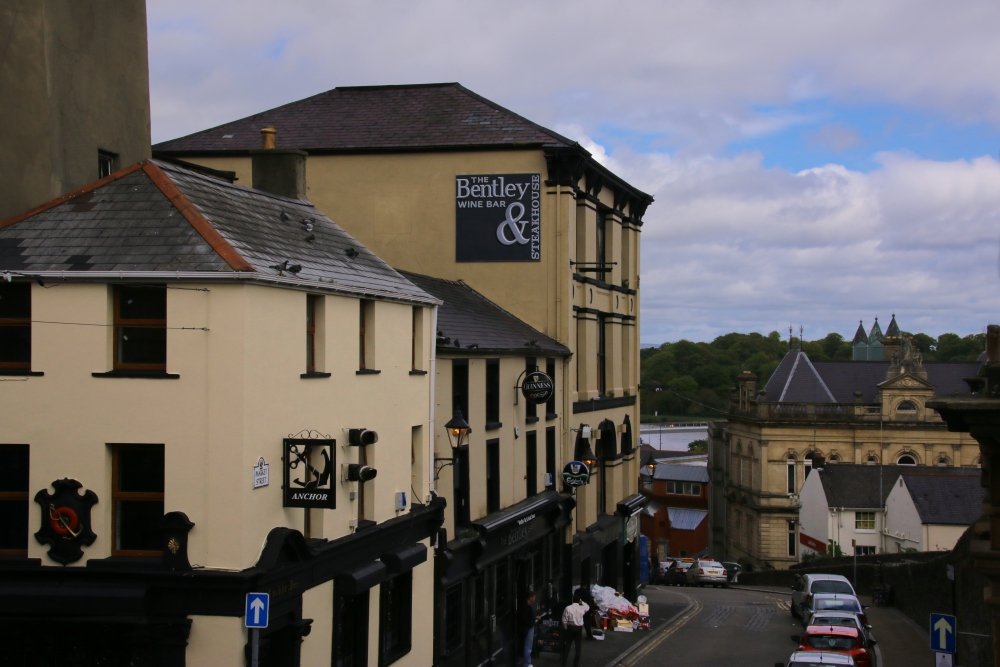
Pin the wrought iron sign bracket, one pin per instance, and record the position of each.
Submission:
(440, 464)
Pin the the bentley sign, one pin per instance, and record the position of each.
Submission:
(498, 218)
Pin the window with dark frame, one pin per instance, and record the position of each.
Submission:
(460, 386)
(492, 476)
(350, 630)
(530, 409)
(140, 315)
(362, 322)
(106, 163)
(550, 407)
(602, 384)
(395, 618)
(461, 487)
(415, 336)
(492, 393)
(454, 618)
(14, 463)
(15, 326)
(311, 333)
(531, 462)
(550, 452)
(602, 227)
(791, 475)
(792, 542)
(137, 500)
(602, 487)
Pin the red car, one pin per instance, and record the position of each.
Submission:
(838, 639)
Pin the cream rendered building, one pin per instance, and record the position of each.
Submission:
(400, 167)
(171, 341)
(853, 412)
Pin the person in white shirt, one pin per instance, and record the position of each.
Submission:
(572, 620)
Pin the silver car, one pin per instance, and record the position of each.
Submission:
(834, 602)
(704, 572)
(818, 659)
(809, 585)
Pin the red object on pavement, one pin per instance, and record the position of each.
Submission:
(838, 639)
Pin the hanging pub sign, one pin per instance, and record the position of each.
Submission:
(65, 520)
(498, 218)
(537, 387)
(576, 474)
(308, 473)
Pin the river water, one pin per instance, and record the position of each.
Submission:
(677, 438)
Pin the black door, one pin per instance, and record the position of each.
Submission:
(502, 622)
(480, 632)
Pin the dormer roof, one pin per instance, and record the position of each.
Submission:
(875, 335)
(861, 336)
(893, 330)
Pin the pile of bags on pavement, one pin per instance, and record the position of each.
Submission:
(612, 604)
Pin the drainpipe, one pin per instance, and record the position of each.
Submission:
(431, 486)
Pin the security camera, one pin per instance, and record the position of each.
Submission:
(358, 437)
(360, 473)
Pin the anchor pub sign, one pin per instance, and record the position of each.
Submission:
(308, 472)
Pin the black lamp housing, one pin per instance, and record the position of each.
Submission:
(360, 437)
(458, 430)
(360, 473)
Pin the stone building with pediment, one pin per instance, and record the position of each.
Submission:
(871, 412)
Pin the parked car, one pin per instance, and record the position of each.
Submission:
(704, 572)
(674, 576)
(732, 571)
(808, 585)
(830, 602)
(839, 639)
(818, 659)
(845, 618)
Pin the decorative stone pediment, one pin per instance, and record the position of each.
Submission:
(906, 381)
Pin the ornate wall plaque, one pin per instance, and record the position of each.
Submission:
(65, 520)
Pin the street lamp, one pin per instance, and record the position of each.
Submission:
(584, 452)
(458, 431)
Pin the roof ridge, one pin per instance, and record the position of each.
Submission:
(791, 374)
(820, 378)
(386, 86)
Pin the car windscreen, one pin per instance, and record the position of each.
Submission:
(840, 604)
(845, 622)
(799, 663)
(832, 642)
(828, 586)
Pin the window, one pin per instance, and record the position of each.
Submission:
(531, 462)
(602, 232)
(791, 538)
(15, 326)
(492, 476)
(137, 500)
(906, 460)
(646, 481)
(943, 461)
(364, 308)
(550, 453)
(501, 598)
(550, 407)
(906, 406)
(395, 618)
(602, 382)
(684, 488)
(311, 333)
(871, 460)
(453, 617)
(140, 328)
(808, 463)
(493, 394)
(864, 551)
(461, 486)
(416, 343)
(106, 163)
(14, 500)
(530, 409)
(864, 520)
(602, 486)
(350, 630)
(460, 386)
(791, 474)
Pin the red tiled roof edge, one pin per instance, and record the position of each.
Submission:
(194, 217)
(62, 199)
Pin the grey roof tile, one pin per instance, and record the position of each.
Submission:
(946, 499)
(857, 486)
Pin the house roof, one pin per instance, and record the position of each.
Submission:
(683, 518)
(469, 323)
(799, 380)
(160, 217)
(857, 485)
(652, 507)
(679, 472)
(366, 118)
(860, 336)
(946, 499)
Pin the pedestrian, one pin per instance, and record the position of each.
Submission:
(588, 619)
(526, 624)
(572, 621)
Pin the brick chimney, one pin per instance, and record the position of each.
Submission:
(280, 172)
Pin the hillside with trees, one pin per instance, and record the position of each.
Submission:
(695, 379)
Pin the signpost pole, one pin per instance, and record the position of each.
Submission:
(255, 646)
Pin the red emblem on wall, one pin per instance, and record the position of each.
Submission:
(65, 520)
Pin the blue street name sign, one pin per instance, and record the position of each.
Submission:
(257, 604)
(944, 629)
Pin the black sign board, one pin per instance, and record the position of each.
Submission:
(308, 468)
(498, 218)
(576, 473)
(65, 520)
(537, 387)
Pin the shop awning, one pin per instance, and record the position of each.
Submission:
(682, 518)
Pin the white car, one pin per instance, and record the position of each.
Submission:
(809, 585)
(834, 602)
(704, 572)
(818, 659)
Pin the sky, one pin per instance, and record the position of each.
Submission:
(813, 163)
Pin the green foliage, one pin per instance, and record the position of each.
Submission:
(833, 550)
(697, 379)
(698, 446)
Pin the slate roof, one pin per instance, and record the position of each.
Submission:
(159, 217)
(798, 380)
(955, 500)
(468, 322)
(856, 486)
(679, 472)
(376, 118)
(682, 518)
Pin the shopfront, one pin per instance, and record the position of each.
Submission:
(485, 574)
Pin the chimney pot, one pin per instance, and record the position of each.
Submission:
(267, 138)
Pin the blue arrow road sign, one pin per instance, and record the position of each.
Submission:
(944, 628)
(257, 604)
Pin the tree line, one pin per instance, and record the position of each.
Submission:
(695, 379)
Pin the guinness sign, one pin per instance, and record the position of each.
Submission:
(498, 218)
(308, 474)
(537, 387)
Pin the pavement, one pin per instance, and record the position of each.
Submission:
(741, 627)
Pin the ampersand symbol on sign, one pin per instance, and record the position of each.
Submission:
(514, 224)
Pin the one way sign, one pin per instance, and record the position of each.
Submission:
(256, 616)
(943, 631)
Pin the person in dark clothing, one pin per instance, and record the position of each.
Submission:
(526, 625)
(588, 619)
